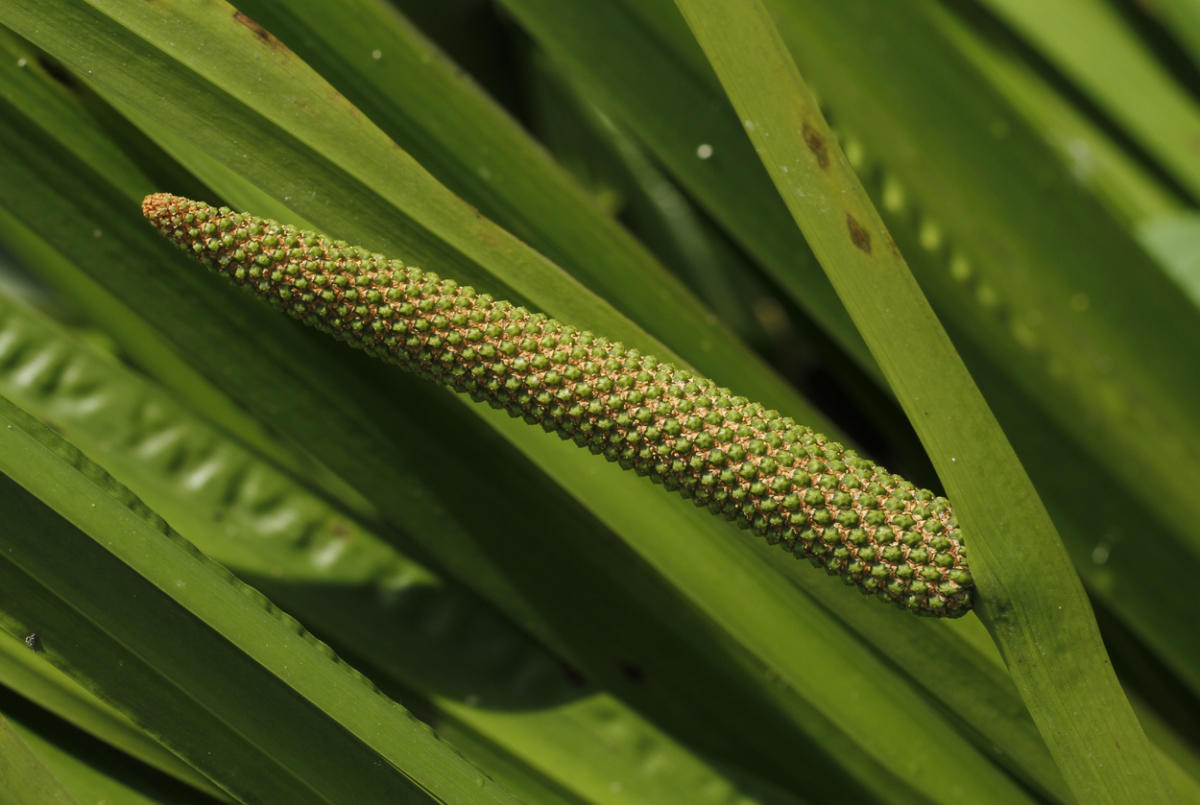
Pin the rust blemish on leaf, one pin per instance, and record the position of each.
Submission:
(816, 144)
(260, 33)
(858, 236)
(892, 247)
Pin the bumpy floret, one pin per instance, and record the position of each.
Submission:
(754, 466)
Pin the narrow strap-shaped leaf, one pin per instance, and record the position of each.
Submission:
(141, 616)
(1037, 611)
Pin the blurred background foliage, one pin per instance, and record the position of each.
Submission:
(242, 564)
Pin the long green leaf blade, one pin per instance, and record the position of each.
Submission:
(136, 590)
(1029, 607)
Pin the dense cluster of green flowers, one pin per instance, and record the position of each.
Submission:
(754, 466)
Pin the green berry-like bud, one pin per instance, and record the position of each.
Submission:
(756, 467)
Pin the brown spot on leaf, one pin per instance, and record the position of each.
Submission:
(892, 247)
(260, 33)
(816, 144)
(859, 236)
